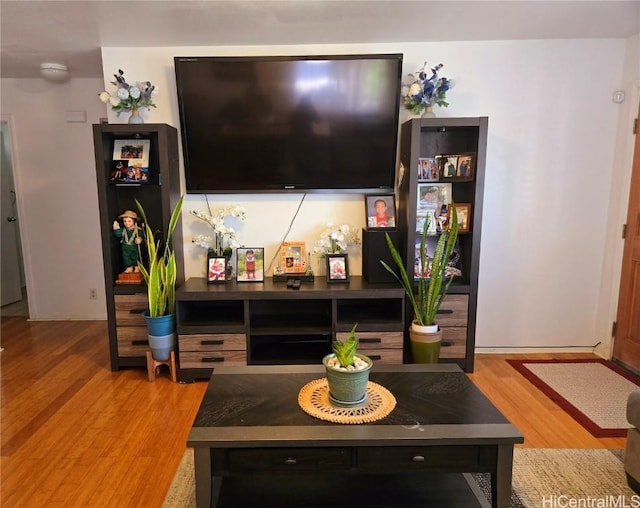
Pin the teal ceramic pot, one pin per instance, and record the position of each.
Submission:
(161, 325)
(348, 387)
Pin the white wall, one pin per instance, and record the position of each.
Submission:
(54, 170)
(555, 177)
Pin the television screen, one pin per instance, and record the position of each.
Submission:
(278, 124)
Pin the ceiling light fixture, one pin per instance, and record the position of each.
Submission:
(54, 71)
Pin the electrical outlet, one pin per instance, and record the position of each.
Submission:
(93, 294)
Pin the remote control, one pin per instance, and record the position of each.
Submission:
(290, 283)
(296, 284)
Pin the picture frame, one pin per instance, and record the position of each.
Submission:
(337, 268)
(216, 270)
(250, 264)
(433, 197)
(134, 154)
(464, 217)
(458, 167)
(448, 166)
(381, 211)
(293, 257)
(428, 169)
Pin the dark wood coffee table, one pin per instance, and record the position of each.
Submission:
(252, 440)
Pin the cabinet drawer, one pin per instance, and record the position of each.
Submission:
(132, 340)
(290, 459)
(454, 458)
(213, 342)
(376, 340)
(209, 359)
(454, 342)
(389, 356)
(454, 311)
(129, 309)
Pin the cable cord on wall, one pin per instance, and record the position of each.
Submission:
(286, 234)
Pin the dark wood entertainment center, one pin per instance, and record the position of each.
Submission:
(269, 323)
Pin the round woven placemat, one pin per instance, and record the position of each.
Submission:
(314, 400)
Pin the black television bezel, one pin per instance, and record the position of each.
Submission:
(292, 189)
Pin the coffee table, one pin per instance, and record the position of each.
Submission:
(252, 440)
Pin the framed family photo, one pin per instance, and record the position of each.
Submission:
(337, 268)
(216, 270)
(292, 257)
(428, 169)
(459, 167)
(130, 161)
(464, 217)
(381, 211)
(250, 264)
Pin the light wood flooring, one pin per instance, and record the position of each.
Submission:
(76, 434)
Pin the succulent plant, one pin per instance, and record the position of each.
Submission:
(345, 350)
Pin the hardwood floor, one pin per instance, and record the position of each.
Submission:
(76, 434)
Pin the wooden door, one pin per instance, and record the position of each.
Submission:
(626, 347)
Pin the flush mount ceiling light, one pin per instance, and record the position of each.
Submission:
(54, 71)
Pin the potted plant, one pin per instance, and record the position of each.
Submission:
(347, 371)
(432, 286)
(160, 278)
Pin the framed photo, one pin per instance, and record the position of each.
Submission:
(337, 268)
(430, 247)
(432, 197)
(216, 269)
(466, 166)
(250, 264)
(293, 258)
(130, 161)
(428, 169)
(448, 166)
(381, 211)
(464, 217)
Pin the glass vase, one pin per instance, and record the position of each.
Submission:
(135, 117)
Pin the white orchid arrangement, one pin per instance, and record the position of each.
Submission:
(224, 239)
(129, 97)
(335, 239)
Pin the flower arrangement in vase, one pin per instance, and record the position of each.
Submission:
(129, 97)
(335, 239)
(223, 240)
(424, 91)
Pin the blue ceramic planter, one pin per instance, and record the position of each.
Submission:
(348, 388)
(162, 345)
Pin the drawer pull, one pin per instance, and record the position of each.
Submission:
(446, 343)
(375, 357)
(371, 340)
(211, 342)
(212, 360)
(136, 311)
(418, 458)
(445, 311)
(140, 342)
(290, 461)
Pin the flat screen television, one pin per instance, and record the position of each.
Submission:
(289, 123)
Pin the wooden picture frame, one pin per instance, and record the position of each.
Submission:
(465, 171)
(337, 268)
(428, 169)
(381, 211)
(216, 270)
(464, 217)
(293, 257)
(250, 264)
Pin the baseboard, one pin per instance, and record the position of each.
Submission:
(520, 350)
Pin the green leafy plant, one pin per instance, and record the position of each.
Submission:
(161, 274)
(345, 350)
(430, 288)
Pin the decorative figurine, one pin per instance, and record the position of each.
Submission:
(131, 236)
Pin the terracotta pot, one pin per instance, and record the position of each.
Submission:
(425, 343)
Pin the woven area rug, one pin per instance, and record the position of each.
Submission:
(541, 477)
(593, 392)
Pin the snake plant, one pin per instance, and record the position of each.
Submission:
(345, 350)
(161, 274)
(430, 290)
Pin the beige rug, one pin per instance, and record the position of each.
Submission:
(541, 477)
(593, 392)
